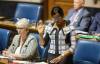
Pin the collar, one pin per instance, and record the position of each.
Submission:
(78, 10)
(55, 26)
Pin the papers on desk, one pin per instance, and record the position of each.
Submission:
(1, 56)
(80, 32)
(40, 63)
(27, 62)
(21, 62)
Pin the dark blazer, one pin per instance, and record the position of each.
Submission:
(83, 19)
(95, 26)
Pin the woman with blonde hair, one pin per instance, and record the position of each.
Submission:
(24, 45)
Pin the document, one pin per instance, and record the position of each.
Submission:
(1, 56)
(27, 62)
(40, 63)
(21, 62)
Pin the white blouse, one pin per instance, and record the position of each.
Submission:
(18, 50)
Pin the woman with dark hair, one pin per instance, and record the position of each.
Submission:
(58, 37)
(55, 12)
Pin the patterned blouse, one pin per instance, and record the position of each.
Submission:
(62, 39)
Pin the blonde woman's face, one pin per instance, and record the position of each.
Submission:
(21, 31)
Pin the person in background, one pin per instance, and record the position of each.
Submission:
(58, 37)
(95, 26)
(78, 16)
(24, 45)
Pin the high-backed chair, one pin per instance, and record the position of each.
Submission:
(42, 51)
(87, 52)
(4, 38)
(29, 11)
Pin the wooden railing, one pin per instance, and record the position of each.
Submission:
(11, 26)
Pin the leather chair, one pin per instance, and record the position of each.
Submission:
(29, 11)
(42, 51)
(4, 38)
(87, 52)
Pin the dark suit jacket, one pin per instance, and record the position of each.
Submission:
(83, 20)
(95, 26)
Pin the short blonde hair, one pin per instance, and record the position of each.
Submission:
(22, 23)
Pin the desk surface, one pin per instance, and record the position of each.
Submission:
(27, 62)
(5, 60)
(11, 26)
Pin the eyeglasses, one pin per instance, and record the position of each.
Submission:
(20, 28)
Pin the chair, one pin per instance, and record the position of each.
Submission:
(29, 11)
(4, 38)
(42, 51)
(87, 52)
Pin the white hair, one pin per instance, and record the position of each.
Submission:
(22, 23)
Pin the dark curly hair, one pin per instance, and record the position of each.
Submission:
(57, 9)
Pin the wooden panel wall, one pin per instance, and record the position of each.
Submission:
(92, 3)
(47, 6)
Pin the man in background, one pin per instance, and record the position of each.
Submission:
(95, 26)
(78, 16)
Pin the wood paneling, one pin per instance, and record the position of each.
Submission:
(47, 6)
(92, 3)
(34, 1)
(45, 10)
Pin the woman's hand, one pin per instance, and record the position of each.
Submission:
(57, 59)
(5, 53)
(40, 27)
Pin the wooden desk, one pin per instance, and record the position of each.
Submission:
(11, 26)
(3, 61)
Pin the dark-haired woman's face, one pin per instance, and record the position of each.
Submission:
(60, 22)
(55, 17)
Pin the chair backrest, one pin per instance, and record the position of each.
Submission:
(87, 52)
(42, 51)
(29, 11)
(4, 38)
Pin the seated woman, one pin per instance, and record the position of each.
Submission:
(24, 45)
(58, 37)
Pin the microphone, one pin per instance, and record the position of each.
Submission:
(26, 46)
